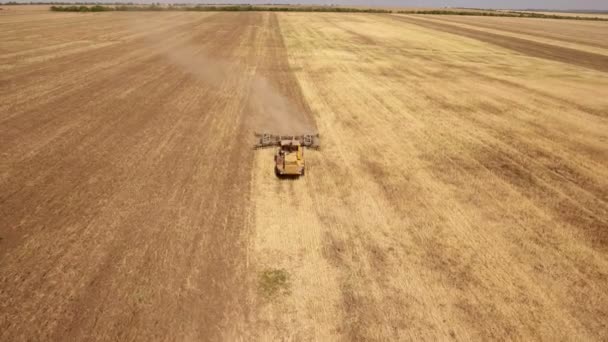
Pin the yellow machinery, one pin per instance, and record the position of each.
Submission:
(289, 158)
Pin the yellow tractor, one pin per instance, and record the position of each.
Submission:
(289, 158)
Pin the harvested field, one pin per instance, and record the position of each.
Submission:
(461, 191)
(584, 34)
(534, 48)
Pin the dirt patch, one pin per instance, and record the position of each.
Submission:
(361, 38)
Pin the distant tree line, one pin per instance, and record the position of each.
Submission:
(130, 6)
(229, 8)
(81, 8)
(65, 3)
(510, 14)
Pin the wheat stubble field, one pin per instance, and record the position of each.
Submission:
(461, 191)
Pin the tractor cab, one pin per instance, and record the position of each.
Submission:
(289, 157)
(291, 146)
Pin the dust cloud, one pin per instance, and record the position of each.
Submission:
(273, 112)
(267, 109)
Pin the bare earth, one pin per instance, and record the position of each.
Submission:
(461, 191)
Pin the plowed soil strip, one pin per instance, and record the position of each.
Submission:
(126, 217)
(527, 47)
